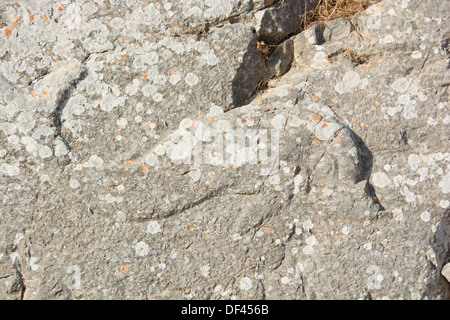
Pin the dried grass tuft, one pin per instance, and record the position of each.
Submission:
(327, 10)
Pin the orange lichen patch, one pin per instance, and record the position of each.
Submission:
(314, 98)
(47, 52)
(61, 8)
(125, 269)
(268, 230)
(11, 26)
(324, 125)
(31, 17)
(124, 58)
(145, 169)
(210, 119)
(44, 17)
(316, 142)
(145, 75)
(148, 123)
(124, 37)
(33, 94)
(44, 92)
(120, 128)
(56, 59)
(316, 117)
(128, 161)
(117, 60)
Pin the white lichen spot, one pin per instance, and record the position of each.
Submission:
(398, 214)
(10, 170)
(245, 284)
(413, 161)
(350, 80)
(195, 175)
(142, 249)
(45, 152)
(368, 246)
(122, 122)
(204, 271)
(210, 58)
(93, 162)
(185, 123)
(307, 225)
(191, 79)
(285, 280)
(319, 60)
(401, 85)
(432, 121)
(279, 121)
(388, 39)
(174, 79)
(14, 256)
(157, 97)
(381, 180)
(308, 250)
(415, 296)
(236, 237)
(444, 204)
(375, 279)
(345, 230)
(74, 184)
(153, 227)
(425, 216)
(160, 150)
(409, 110)
(120, 216)
(18, 237)
(32, 262)
(61, 148)
(444, 184)
(215, 111)
(274, 180)
(151, 160)
(416, 54)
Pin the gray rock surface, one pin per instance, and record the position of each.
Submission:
(152, 150)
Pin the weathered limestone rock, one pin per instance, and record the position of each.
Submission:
(151, 150)
(446, 272)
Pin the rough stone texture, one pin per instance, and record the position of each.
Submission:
(102, 104)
